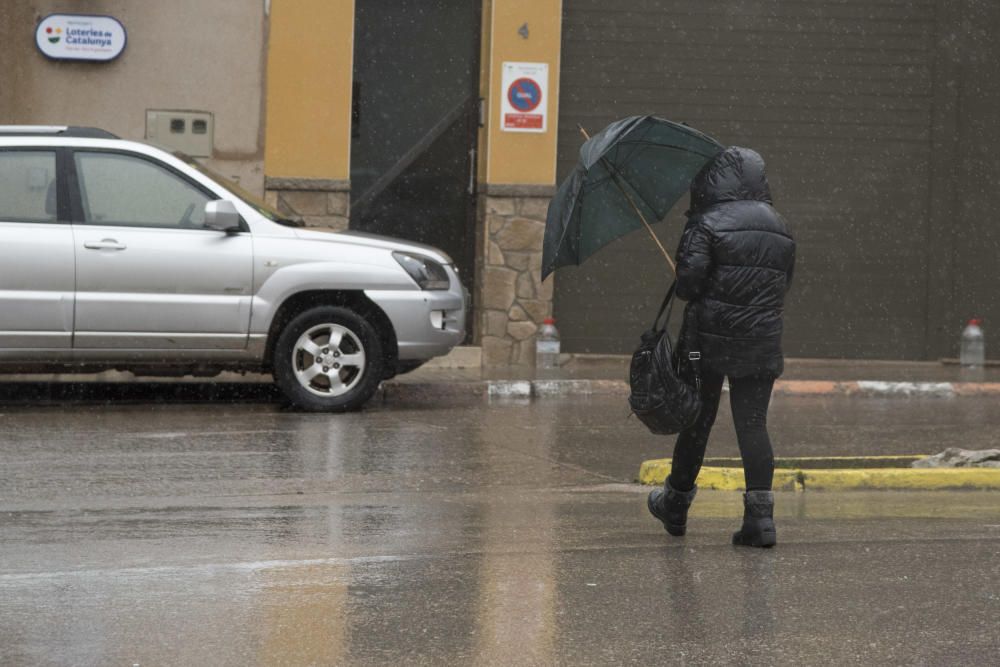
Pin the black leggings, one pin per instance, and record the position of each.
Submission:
(749, 398)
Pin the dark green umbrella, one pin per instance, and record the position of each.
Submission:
(632, 171)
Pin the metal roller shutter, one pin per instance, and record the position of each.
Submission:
(837, 97)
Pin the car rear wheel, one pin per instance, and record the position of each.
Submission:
(328, 358)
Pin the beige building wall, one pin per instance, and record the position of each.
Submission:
(521, 158)
(310, 67)
(517, 177)
(205, 55)
(309, 89)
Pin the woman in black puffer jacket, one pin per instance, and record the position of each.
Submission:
(734, 267)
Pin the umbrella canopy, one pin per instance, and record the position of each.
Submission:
(633, 170)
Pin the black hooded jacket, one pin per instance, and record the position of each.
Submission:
(734, 266)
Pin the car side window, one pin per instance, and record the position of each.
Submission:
(28, 186)
(118, 189)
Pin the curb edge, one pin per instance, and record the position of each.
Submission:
(655, 471)
(547, 388)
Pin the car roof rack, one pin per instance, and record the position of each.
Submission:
(72, 131)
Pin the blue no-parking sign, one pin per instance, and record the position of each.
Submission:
(523, 93)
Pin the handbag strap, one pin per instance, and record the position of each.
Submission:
(668, 306)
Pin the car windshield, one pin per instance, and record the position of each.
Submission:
(249, 198)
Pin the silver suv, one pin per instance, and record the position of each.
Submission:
(118, 255)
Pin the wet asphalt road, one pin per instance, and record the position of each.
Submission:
(194, 531)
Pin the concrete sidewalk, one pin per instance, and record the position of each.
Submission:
(607, 374)
(582, 375)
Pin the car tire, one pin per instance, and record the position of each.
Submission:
(328, 359)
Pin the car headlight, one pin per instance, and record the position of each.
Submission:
(427, 273)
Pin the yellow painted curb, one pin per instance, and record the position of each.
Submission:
(653, 472)
(815, 462)
(913, 479)
(712, 477)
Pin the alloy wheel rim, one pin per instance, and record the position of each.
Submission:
(329, 360)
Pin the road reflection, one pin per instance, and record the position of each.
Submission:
(501, 534)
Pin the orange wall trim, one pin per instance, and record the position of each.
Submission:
(512, 157)
(310, 62)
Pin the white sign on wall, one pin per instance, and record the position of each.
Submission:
(80, 37)
(524, 94)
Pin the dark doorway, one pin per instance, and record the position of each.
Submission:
(413, 147)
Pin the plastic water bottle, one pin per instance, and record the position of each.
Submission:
(547, 345)
(972, 353)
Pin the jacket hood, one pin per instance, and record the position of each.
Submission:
(735, 174)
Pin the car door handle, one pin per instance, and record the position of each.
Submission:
(104, 244)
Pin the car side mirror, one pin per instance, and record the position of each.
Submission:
(222, 216)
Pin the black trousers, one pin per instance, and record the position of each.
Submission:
(749, 398)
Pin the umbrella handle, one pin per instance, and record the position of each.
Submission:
(673, 267)
(649, 228)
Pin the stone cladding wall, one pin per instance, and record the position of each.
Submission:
(319, 203)
(513, 301)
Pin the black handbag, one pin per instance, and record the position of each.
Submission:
(660, 397)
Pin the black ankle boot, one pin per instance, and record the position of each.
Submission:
(758, 521)
(671, 507)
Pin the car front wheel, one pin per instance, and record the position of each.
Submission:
(328, 358)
